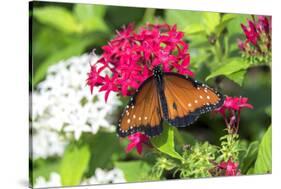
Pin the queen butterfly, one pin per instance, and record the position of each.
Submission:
(172, 97)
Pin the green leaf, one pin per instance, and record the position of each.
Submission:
(235, 65)
(211, 20)
(264, 160)
(268, 110)
(105, 149)
(190, 22)
(149, 17)
(91, 17)
(193, 22)
(48, 41)
(249, 157)
(95, 24)
(134, 170)
(237, 77)
(183, 19)
(117, 17)
(234, 26)
(225, 20)
(194, 29)
(165, 142)
(183, 138)
(44, 167)
(74, 164)
(57, 17)
(88, 11)
(251, 171)
(75, 49)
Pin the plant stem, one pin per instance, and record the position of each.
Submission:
(218, 51)
(226, 46)
(238, 121)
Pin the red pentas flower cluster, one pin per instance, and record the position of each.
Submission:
(136, 141)
(131, 56)
(230, 110)
(257, 46)
(230, 168)
(234, 103)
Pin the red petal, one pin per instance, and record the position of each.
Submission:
(130, 147)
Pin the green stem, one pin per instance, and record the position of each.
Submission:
(218, 51)
(226, 46)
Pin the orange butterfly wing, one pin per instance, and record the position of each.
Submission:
(143, 112)
(187, 99)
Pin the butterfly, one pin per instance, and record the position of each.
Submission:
(167, 96)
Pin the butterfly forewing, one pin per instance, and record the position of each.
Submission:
(187, 99)
(143, 112)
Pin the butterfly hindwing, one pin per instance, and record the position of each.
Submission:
(143, 112)
(187, 99)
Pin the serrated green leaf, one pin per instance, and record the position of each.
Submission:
(134, 170)
(264, 160)
(57, 17)
(165, 142)
(74, 164)
(233, 66)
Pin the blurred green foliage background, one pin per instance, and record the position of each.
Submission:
(61, 30)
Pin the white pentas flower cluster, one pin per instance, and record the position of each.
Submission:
(54, 181)
(47, 143)
(101, 177)
(104, 177)
(62, 103)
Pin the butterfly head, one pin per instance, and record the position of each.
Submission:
(157, 71)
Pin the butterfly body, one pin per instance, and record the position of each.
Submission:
(170, 97)
(158, 77)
